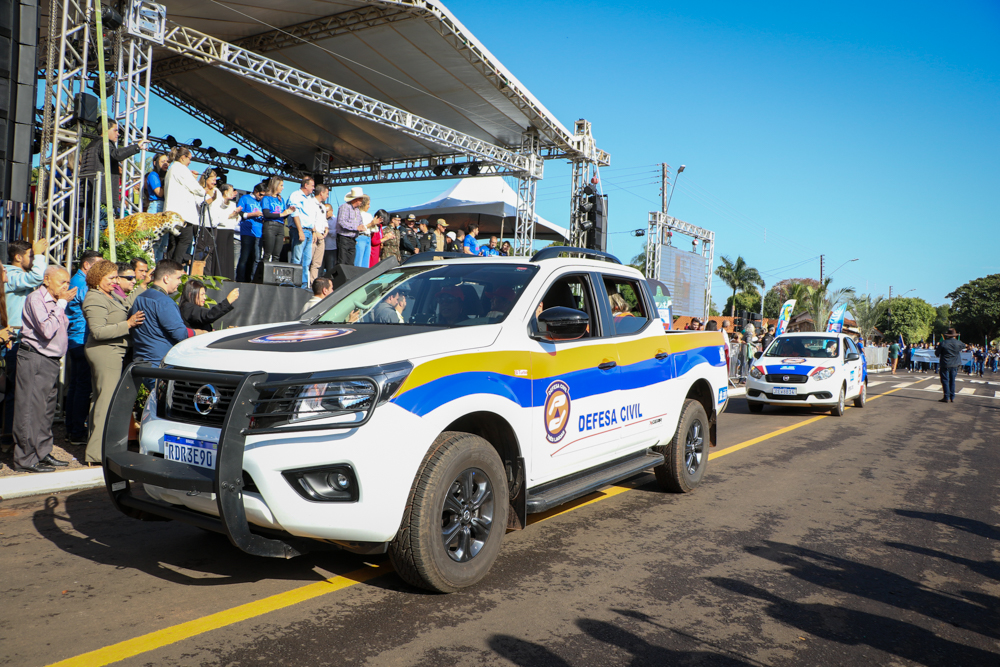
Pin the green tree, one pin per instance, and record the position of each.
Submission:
(738, 276)
(748, 301)
(772, 303)
(975, 308)
(942, 321)
(820, 302)
(713, 311)
(866, 312)
(639, 261)
(912, 318)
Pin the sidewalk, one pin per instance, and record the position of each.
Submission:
(31, 484)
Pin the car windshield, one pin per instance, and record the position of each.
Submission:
(804, 346)
(456, 294)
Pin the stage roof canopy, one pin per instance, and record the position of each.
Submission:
(412, 54)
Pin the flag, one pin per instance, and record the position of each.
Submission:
(836, 322)
(901, 343)
(784, 317)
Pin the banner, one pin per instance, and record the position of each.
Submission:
(664, 304)
(836, 322)
(784, 317)
(928, 356)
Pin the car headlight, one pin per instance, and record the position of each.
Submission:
(755, 373)
(332, 398)
(823, 373)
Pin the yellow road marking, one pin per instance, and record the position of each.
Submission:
(198, 626)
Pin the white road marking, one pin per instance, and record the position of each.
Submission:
(903, 385)
(967, 390)
(872, 384)
(932, 388)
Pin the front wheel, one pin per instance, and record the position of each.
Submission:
(859, 402)
(755, 407)
(456, 516)
(838, 409)
(687, 454)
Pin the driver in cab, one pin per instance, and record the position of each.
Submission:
(450, 302)
(390, 309)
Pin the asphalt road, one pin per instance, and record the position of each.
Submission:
(814, 540)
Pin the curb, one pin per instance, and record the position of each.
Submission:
(737, 391)
(19, 486)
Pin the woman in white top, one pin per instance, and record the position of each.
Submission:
(225, 216)
(363, 244)
(182, 195)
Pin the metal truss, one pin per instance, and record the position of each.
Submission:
(659, 224)
(143, 26)
(57, 195)
(582, 172)
(252, 66)
(309, 31)
(527, 187)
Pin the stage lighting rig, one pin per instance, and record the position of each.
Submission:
(196, 143)
(234, 152)
(171, 141)
(455, 169)
(438, 170)
(474, 169)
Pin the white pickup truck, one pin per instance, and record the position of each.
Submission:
(423, 410)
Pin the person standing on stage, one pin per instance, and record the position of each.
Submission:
(273, 208)
(225, 216)
(92, 169)
(301, 229)
(469, 245)
(390, 238)
(348, 223)
(251, 229)
(320, 230)
(152, 190)
(182, 195)
(44, 341)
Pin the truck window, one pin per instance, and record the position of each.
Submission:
(627, 307)
(573, 291)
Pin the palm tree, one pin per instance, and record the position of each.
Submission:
(820, 302)
(738, 276)
(867, 312)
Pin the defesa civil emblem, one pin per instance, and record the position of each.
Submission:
(557, 409)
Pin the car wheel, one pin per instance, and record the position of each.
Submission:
(687, 454)
(838, 409)
(755, 407)
(456, 517)
(859, 402)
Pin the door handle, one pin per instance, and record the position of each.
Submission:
(662, 355)
(607, 365)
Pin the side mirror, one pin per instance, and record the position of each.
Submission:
(852, 356)
(561, 323)
(758, 355)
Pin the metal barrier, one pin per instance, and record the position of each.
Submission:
(876, 357)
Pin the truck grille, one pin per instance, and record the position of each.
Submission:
(179, 404)
(792, 379)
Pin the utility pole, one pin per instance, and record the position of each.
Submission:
(665, 182)
(821, 269)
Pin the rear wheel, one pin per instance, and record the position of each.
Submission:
(859, 402)
(755, 407)
(838, 409)
(687, 454)
(456, 516)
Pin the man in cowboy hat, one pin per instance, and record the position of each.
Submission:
(949, 351)
(348, 224)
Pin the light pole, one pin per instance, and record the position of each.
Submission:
(842, 266)
(666, 206)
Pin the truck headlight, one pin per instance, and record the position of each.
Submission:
(822, 373)
(332, 398)
(755, 373)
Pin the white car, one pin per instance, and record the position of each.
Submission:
(808, 369)
(423, 410)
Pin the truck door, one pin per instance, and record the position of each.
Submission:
(645, 363)
(575, 389)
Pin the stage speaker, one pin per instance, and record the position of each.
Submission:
(280, 273)
(87, 107)
(344, 273)
(19, 21)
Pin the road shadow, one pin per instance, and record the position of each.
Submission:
(879, 585)
(959, 522)
(85, 525)
(989, 569)
(641, 652)
(851, 627)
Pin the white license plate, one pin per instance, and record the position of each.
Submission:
(194, 452)
(784, 391)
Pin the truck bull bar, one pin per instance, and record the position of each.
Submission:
(122, 467)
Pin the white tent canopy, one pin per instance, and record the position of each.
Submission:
(487, 201)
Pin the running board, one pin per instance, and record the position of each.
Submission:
(563, 492)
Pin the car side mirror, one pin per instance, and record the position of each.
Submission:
(561, 323)
(852, 356)
(758, 355)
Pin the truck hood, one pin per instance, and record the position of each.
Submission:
(294, 347)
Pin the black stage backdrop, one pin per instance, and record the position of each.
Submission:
(260, 304)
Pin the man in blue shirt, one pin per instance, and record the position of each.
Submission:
(153, 189)
(78, 385)
(471, 247)
(491, 249)
(163, 327)
(251, 230)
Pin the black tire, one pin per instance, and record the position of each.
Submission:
(755, 407)
(859, 402)
(838, 409)
(687, 453)
(459, 497)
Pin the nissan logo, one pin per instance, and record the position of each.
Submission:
(784, 378)
(205, 399)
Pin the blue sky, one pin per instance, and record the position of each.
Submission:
(865, 130)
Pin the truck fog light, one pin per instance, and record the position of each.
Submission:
(331, 483)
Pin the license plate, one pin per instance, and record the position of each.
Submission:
(784, 391)
(194, 452)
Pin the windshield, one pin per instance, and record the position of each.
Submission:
(804, 346)
(448, 295)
